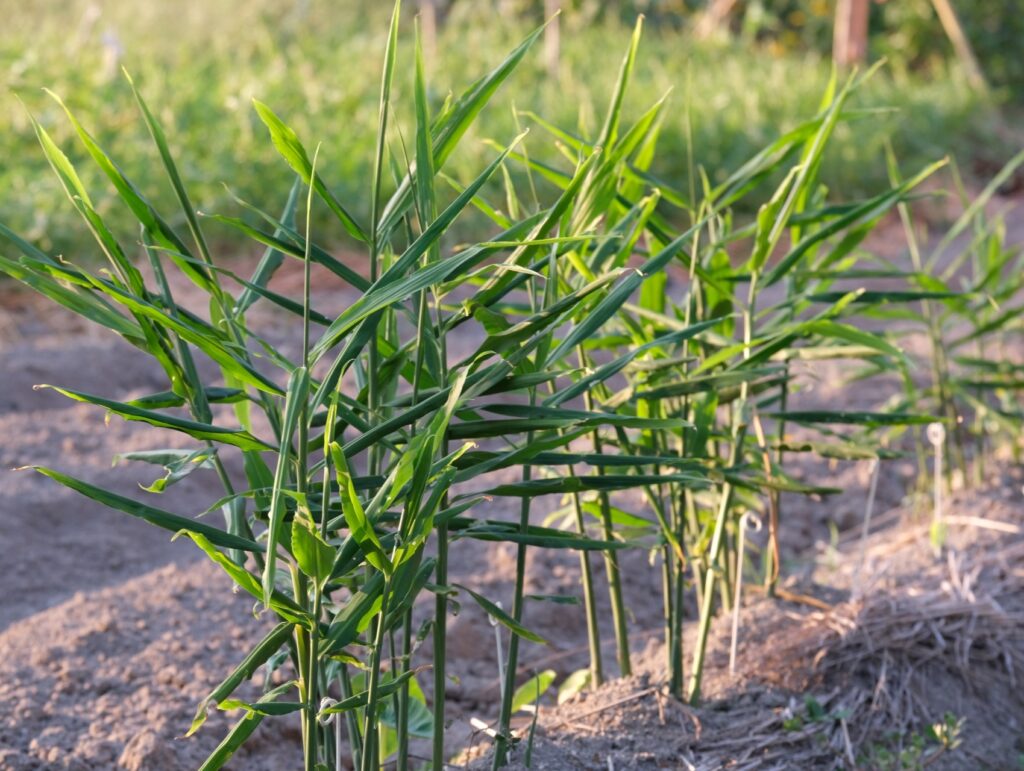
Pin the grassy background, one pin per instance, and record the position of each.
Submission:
(200, 62)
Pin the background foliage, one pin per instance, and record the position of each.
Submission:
(317, 61)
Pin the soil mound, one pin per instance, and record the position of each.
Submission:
(914, 663)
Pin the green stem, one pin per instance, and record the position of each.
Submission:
(672, 562)
(440, 644)
(611, 561)
(589, 605)
(739, 429)
(504, 737)
(771, 570)
(939, 367)
(725, 567)
(302, 664)
(370, 718)
(312, 702)
(677, 602)
(668, 611)
(441, 574)
(725, 502)
(402, 709)
(697, 563)
(355, 739)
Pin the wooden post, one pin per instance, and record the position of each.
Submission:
(552, 37)
(850, 34)
(955, 33)
(428, 20)
(714, 19)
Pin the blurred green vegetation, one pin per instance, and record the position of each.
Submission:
(316, 62)
(907, 31)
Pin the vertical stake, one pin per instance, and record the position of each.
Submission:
(850, 34)
(428, 19)
(552, 37)
(936, 434)
(748, 520)
(876, 464)
(497, 644)
(961, 45)
(326, 702)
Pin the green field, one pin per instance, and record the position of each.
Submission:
(317, 64)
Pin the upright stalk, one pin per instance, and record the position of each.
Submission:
(440, 599)
(503, 741)
(300, 588)
(589, 606)
(402, 711)
(441, 575)
(677, 663)
(589, 603)
(739, 428)
(312, 701)
(504, 737)
(673, 567)
(370, 733)
(771, 566)
(310, 674)
(370, 748)
(668, 612)
(674, 578)
(611, 557)
(355, 739)
(939, 365)
(684, 515)
(440, 644)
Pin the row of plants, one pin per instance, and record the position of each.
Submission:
(620, 353)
